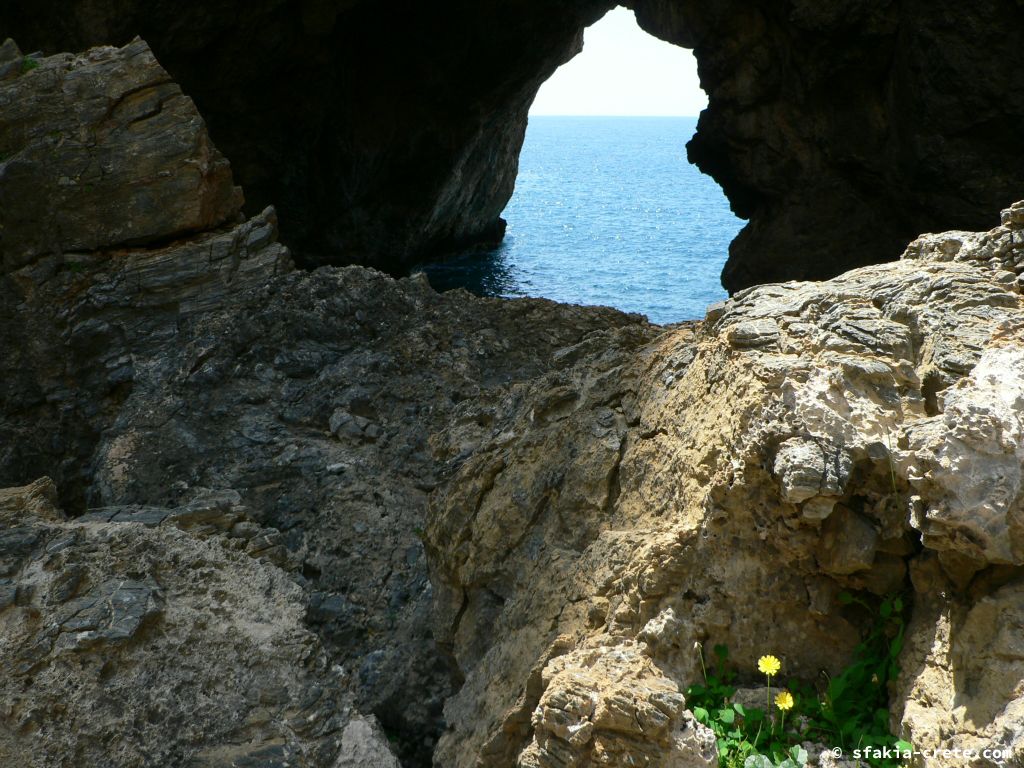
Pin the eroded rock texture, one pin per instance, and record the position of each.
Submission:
(140, 641)
(301, 499)
(722, 485)
(841, 130)
(386, 132)
(135, 374)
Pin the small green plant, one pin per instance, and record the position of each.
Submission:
(28, 64)
(850, 712)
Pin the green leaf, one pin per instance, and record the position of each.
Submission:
(897, 605)
(885, 609)
(722, 651)
(904, 746)
(897, 645)
(757, 761)
(727, 716)
(845, 598)
(700, 715)
(739, 709)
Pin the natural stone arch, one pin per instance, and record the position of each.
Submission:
(387, 132)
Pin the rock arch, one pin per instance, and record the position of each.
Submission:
(385, 132)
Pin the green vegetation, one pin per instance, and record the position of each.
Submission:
(850, 712)
(28, 64)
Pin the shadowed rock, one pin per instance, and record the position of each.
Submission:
(100, 150)
(385, 132)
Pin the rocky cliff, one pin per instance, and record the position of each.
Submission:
(261, 514)
(723, 484)
(387, 132)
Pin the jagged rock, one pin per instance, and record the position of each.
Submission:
(607, 708)
(349, 504)
(719, 445)
(534, 511)
(103, 310)
(807, 468)
(156, 372)
(209, 513)
(102, 149)
(138, 645)
(841, 131)
(360, 746)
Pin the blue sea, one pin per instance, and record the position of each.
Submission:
(607, 210)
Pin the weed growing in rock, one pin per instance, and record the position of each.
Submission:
(850, 712)
(28, 64)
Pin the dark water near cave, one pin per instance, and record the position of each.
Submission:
(607, 210)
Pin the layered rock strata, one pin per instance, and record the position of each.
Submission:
(723, 484)
(367, 497)
(139, 372)
(385, 133)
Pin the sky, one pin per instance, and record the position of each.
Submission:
(623, 71)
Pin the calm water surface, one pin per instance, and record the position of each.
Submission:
(607, 210)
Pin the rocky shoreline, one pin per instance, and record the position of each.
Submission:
(259, 516)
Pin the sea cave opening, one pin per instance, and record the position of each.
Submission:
(607, 208)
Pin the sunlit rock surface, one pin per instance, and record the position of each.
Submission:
(724, 483)
(305, 503)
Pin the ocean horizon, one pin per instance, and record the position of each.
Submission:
(607, 210)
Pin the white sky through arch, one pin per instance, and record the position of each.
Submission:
(623, 71)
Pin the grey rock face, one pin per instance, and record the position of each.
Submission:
(103, 149)
(102, 310)
(840, 130)
(316, 496)
(136, 645)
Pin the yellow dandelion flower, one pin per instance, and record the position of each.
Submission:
(769, 665)
(784, 701)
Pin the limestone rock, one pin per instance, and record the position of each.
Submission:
(609, 706)
(829, 125)
(970, 470)
(361, 746)
(356, 495)
(131, 644)
(807, 468)
(102, 149)
(803, 465)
